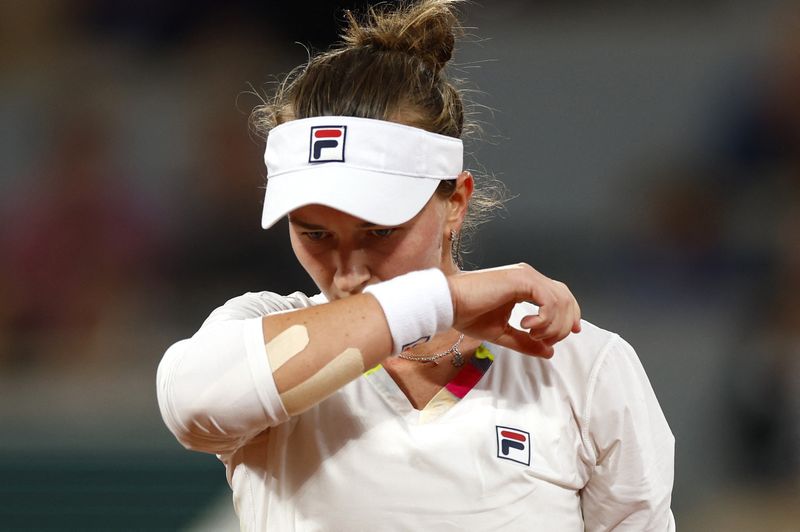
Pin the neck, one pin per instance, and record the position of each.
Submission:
(449, 267)
(441, 342)
(446, 350)
(421, 381)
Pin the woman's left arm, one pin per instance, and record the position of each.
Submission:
(634, 450)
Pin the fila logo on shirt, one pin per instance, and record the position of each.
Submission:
(514, 445)
(327, 144)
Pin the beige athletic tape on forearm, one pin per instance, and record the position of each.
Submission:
(338, 372)
(286, 345)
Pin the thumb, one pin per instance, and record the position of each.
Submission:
(521, 341)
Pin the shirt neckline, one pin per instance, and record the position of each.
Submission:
(445, 399)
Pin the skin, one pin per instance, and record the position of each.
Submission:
(344, 254)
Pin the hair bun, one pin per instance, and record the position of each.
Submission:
(423, 29)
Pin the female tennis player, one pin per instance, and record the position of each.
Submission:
(408, 395)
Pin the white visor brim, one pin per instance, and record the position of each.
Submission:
(379, 171)
(382, 199)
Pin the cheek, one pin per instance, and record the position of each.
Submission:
(428, 245)
(313, 263)
(419, 250)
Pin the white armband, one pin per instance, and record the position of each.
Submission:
(417, 305)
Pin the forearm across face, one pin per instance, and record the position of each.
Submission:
(315, 351)
(236, 378)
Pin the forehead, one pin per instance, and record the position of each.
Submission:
(320, 216)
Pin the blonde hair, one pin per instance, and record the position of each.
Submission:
(389, 66)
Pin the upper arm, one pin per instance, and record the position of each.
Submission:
(631, 484)
(215, 389)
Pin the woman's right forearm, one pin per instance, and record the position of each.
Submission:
(315, 351)
(234, 379)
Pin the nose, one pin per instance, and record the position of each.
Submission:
(352, 272)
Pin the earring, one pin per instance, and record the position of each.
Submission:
(455, 249)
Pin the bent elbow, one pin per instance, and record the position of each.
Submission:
(207, 398)
(176, 401)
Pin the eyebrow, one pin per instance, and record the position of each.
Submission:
(313, 227)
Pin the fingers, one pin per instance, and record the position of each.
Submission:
(483, 301)
(523, 342)
(558, 316)
(546, 330)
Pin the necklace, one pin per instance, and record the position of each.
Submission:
(458, 357)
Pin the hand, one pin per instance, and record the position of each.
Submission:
(483, 301)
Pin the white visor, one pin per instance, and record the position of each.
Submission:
(379, 171)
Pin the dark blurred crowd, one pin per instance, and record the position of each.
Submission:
(727, 218)
(131, 185)
(761, 145)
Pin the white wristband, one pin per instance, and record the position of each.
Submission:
(417, 305)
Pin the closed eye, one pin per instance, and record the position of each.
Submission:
(316, 235)
(383, 233)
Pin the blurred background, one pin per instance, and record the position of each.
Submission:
(653, 149)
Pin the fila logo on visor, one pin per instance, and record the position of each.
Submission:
(327, 144)
(514, 445)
